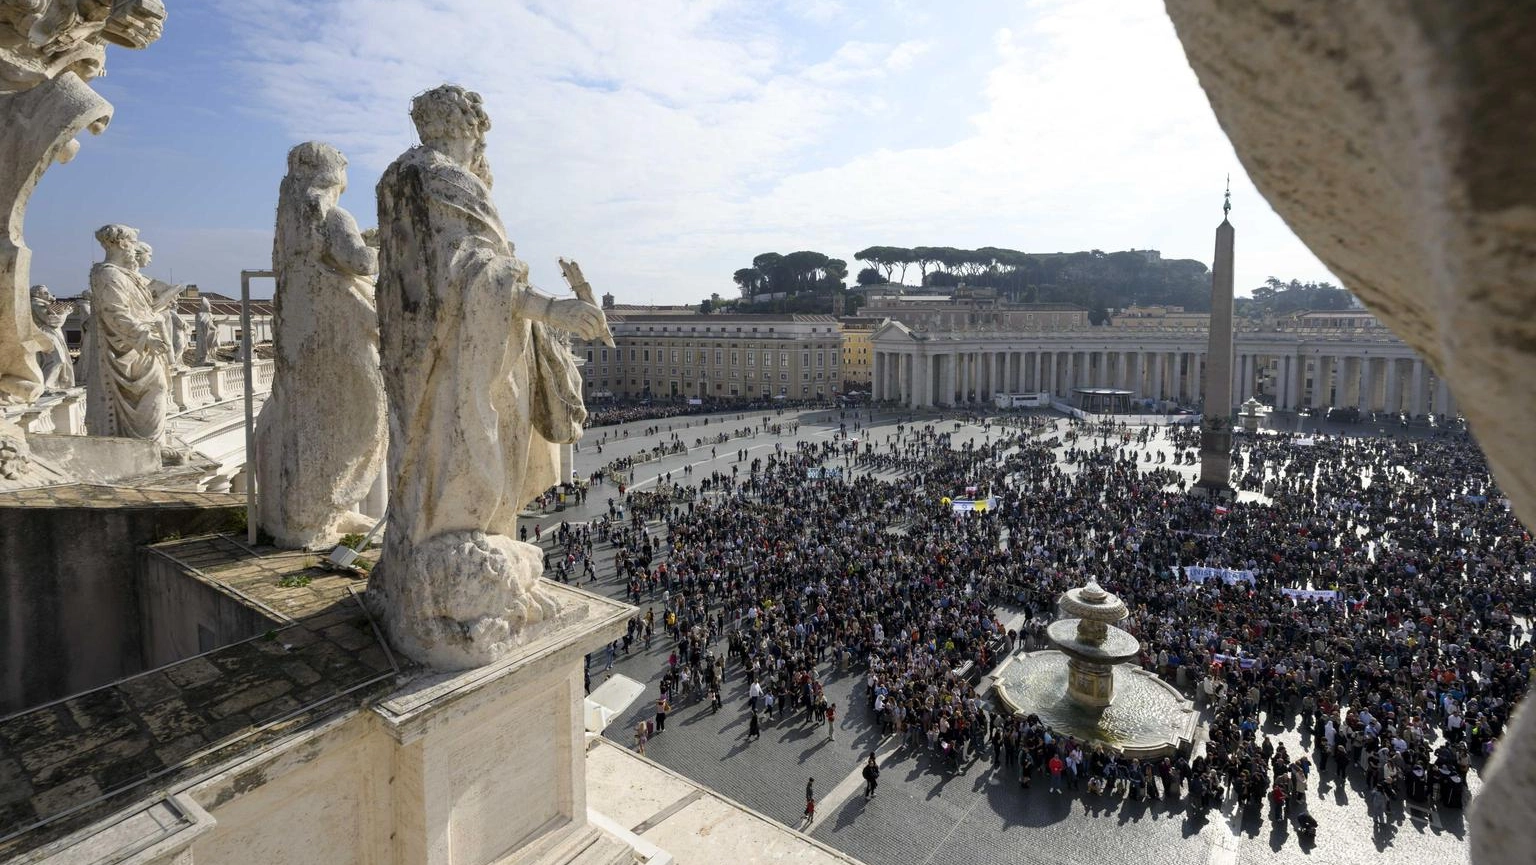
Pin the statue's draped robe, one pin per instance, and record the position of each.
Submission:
(321, 434)
(126, 386)
(479, 395)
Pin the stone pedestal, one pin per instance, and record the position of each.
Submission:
(489, 764)
(1089, 683)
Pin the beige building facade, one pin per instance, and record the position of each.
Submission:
(694, 356)
(858, 350)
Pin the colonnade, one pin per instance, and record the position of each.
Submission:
(1286, 377)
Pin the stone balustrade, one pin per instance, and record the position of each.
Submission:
(192, 388)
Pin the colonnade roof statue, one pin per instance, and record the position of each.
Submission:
(481, 391)
(1406, 168)
(127, 384)
(322, 432)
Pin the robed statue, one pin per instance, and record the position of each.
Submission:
(207, 347)
(481, 392)
(127, 382)
(321, 436)
(49, 313)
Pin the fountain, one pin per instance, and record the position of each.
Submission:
(1084, 688)
(1092, 644)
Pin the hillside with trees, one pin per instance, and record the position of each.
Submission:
(1276, 298)
(807, 281)
(799, 282)
(1095, 279)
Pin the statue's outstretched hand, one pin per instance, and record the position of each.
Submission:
(580, 317)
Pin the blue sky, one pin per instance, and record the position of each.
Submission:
(665, 143)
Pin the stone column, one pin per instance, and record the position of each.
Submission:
(951, 376)
(1340, 365)
(1367, 386)
(1157, 376)
(1416, 392)
(1298, 379)
(1442, 396)
(1393, 387)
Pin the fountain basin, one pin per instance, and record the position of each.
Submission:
(1146, 718)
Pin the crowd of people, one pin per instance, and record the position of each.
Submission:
(1375, 602)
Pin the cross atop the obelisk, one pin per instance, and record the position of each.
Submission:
(1226, 202)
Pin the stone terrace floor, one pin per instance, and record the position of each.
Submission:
(922, 814)
(65, 764)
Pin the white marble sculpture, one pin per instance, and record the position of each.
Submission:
(176, 330)
(54, 361)
(127, 382)
(207, 335)
(322, 433)
(480, 394)
(48, 50)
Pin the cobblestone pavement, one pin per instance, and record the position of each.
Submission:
(924, 814)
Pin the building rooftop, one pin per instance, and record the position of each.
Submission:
(722, 318)
(66, 764)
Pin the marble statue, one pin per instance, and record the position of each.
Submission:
(127, 383)
(49, 49)
(481, 392)
(54, 361)
(175, 329)
(322, 433)
(207, 335)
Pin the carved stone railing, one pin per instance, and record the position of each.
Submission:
(192, 388)
(61, 412)
(198, 386)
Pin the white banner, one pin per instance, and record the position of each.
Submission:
(1196, 574)
(1311, 594)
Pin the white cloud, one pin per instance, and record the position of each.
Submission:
(665, 143)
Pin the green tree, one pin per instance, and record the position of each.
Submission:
(870, 276)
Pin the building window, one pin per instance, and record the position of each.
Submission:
(605, 355)
(589, 355)
(735, 358)
(632, 354)
(647, 355)
(674, 355)
(719, 357)
(751, 358)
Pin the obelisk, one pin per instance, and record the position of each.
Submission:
(1216, 422)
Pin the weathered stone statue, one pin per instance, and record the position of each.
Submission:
(49, 315)
(207, 335)
(48, 50)
(176, 331)
(480, 394)
(127, 384)
(322, 434)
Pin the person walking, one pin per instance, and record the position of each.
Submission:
(754, 729)
(810, 800)
(871, 777)
(831, 718)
